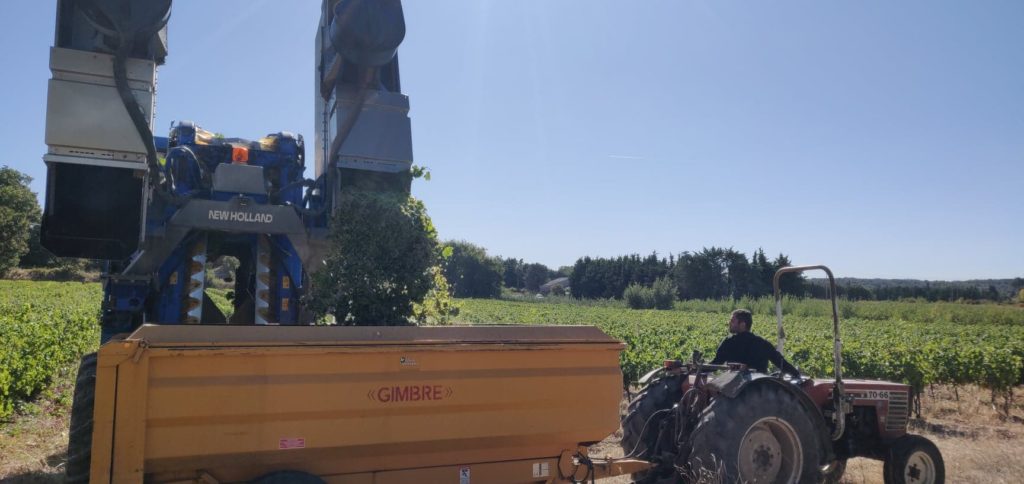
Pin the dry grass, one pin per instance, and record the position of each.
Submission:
(977, 443)
(33, 446)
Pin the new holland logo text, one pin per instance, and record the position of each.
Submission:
(228, 215)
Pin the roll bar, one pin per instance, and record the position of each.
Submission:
(839, 416)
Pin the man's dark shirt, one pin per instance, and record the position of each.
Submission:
(753, 351)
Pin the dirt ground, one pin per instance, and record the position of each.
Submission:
(977, 443)
(33, 446)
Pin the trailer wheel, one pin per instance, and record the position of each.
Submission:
(914, 459)
(640, 427)
(763, 435)
(80, 433)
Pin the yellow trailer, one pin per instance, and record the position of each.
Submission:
(355, 404)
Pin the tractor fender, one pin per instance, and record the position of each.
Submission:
(731, 384)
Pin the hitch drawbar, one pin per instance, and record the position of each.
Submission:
(579, 467)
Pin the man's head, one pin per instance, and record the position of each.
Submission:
(741, 321)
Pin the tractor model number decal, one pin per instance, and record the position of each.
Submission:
(410, 393)
(227, 215)
(871, 394)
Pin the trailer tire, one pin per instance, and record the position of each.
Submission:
(915, 456)
(762, 435)
(637, 441)
(80, 432)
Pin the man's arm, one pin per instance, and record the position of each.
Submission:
(780, 361)
(722, 354)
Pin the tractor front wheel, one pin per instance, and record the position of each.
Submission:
(914, 459)
(763, 435)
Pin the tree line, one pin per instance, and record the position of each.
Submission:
(471, 272)
(711, 273)
(949, 292)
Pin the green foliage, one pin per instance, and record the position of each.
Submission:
(710, 273)
(517, 274)
(438, 307)
(664, 292)
(602, 278)
(222, 299)
(920, 312)
(954, 344)
(18, 211)
(536, 275)
(471, 272)
(37, 255)
(420, 172)
(513, 275)
(45, 328)
(717, 273)
(638, 297)
(661, 295)
(383, 248)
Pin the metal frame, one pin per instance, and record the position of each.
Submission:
(838, 395)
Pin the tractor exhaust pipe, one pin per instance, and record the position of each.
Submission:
(838, 395)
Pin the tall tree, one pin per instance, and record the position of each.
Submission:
(512, 273)
(792, 284)
(762, 272)
(738, 273)
(536, 275)
(18, 211)
(713, 273)
(380, 263)
(608, 278)
(471, 272)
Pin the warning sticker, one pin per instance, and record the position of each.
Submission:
(541, 469)
(464, 475)
(291, 443)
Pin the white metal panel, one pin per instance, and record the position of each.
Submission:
(92, 116)
(83, 108)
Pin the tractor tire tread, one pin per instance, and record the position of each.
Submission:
(80, 432)
(716, 440)
(658, 395)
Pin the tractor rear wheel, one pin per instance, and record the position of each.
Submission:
(914, 459)
(80, 433)
(763, 435)
(642, 423)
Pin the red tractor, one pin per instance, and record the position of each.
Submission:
(698, 422)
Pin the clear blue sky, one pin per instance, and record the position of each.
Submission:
(885, 139)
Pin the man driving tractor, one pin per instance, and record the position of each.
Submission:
(748, 348)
